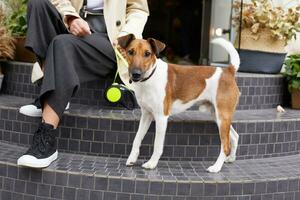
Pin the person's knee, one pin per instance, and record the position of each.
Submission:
(64, 37)
(37, 4)
(63, 40)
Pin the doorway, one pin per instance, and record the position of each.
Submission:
(183, 26)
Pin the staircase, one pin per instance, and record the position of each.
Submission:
(95, 139)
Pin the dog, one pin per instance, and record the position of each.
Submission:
(163, 89)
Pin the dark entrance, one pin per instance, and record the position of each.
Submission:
(183, 26)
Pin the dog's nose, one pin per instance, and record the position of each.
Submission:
(136, 74)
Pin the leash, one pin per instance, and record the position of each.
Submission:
(119, 93)
(119, 58)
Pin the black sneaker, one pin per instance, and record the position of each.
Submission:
(43, 149)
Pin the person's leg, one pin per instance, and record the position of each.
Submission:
(44, 23)
(70, 60)
(73, 60)
(50, 116)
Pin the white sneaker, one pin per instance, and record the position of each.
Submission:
(35, 109)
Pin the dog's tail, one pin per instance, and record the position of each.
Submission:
(234, 56)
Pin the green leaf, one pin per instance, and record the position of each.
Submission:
(292, 71)
(16, 22)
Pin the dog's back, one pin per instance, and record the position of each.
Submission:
(188, 85)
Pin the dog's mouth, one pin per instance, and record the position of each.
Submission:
(141, 76)
(136, 76)
(135, 79)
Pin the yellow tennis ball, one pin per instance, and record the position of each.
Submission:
(113, 94)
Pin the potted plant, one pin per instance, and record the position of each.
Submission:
(6, 42)
(17, 25)
(292, 74)
(263, 31)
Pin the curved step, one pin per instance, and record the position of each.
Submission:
(190, 135)
(88, 177)
(258, 91)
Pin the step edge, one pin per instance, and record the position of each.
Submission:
(246, 180)
(238, 75)
(159, 180)
(170, 120)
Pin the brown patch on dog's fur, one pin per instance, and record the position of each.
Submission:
(185, 83)
(227, 99)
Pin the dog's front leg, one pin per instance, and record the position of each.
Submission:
(145, 122)
(161, 126)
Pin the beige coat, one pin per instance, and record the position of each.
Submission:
(121, 16)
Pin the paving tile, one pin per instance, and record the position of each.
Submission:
(82, 194)
(56, 192)
(74, 180)
(31, 188)
(69, 193)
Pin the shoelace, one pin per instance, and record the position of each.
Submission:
(40, 139)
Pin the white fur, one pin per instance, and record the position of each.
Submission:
(234, 55)
(216, 167)
(150, 96)
(234, 139)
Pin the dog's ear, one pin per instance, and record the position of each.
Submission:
(124, 41)
(156, 45)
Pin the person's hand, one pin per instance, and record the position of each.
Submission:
(115, 43)
(119, 48)
(79, 27)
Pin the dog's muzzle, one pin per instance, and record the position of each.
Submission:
(136, 74)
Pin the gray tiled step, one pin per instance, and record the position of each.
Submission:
(88, 177)
(190, 135)
(258, 91)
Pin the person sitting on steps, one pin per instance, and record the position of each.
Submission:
(73, 41)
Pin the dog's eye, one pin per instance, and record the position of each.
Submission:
(147, 54)
(130, 52)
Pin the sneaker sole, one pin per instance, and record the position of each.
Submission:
(30, 161)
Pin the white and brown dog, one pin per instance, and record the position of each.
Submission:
(163, 89)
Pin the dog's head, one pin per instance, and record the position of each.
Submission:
(140, 54)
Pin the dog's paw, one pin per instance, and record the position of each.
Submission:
(132, 159)
(230, 159)
(150, 164)
(213, 169)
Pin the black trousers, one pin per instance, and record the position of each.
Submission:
(69, 60)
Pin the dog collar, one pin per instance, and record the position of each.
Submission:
(149, 75)
(145, 79)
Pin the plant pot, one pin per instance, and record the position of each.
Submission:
(296, 99)
(22, 54)
(261, 62)
(260, 53)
